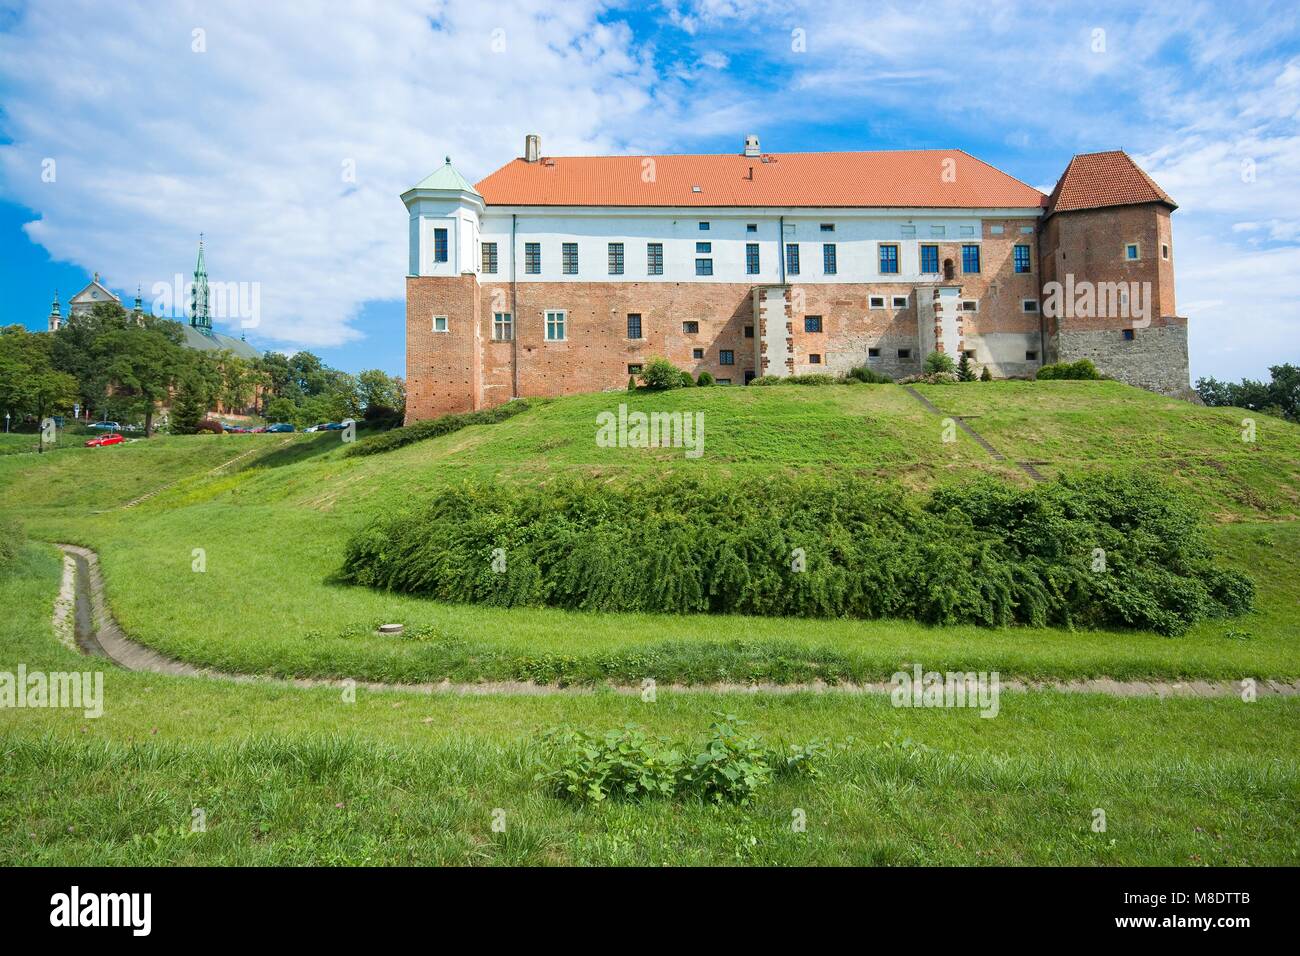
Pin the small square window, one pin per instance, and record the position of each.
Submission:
(1128, 335)
(908, 232)
(1029, 305)
(751, 227)
(690, 328)
(812, 323)
(877, 302)
(722, 381)
(704, 247)
(814, 359)
(1026, 230)
(634, 369)
(1132, 252)
(697, 353)
(905, 353)
(726, 357)
(996, 230)
(828, 227)
(970, 353)
(900, 302)
(873, 353)
(1031, 356)
(704, 267)
(749, 331)
(968, 305)
(704, 227)
(440, 323)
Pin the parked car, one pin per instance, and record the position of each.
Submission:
(279, 427)
(236, 429)
(106, 426)
(99, 441)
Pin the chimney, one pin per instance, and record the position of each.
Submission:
(532, 148)
(751, 146)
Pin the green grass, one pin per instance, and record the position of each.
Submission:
(290, 776)
(273, 526)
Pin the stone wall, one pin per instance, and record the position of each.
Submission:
(1155, 358)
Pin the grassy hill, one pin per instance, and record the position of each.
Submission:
(272, 528)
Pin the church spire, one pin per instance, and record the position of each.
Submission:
(199, 317)
(56, 315)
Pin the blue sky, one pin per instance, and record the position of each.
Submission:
(286, 132)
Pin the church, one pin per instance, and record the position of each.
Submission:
(198, 330)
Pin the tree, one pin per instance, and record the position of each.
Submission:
(190, 406)
(986, 375)
(938, 362)
(30, 386)
(377, 388)
(1279, 396)
(142, 365)
(965, 373)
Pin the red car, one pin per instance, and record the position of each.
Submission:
(113, 438)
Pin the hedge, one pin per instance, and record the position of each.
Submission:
(434, 427)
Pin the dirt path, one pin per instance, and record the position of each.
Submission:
(97, 633)
(225, 464)
(979, 439)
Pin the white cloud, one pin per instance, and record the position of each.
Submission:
(247, 141)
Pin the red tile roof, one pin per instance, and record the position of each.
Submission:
(1096, 180)
(911, 178)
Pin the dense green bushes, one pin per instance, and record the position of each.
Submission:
(865, 375)
(1082, 370)
(1096, 551)
(434, 427)
(811, 378)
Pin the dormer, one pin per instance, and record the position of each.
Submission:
(444, 210)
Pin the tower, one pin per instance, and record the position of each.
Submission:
(138, 312)
(56, 316)
(199, 316)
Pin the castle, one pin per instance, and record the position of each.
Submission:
(557, 275)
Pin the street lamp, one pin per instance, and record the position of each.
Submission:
(6, 423)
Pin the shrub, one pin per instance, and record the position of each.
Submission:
(938, 362)
(209, 425)
(660, 374)
(931, 378)
(985, 553)
(687, 380)
(813, 378)
(730, 764)
(705, 379)
(986, 375)
(435, 427)
(965, 372)
(1082, 370)
(867, 376)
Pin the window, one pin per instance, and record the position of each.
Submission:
(490, 258)
(697, 353)
(888, 257)
(704, 227)
(996, 230)
(616, 258)
(704, 267)
(968, 305)
(1164, 250)
(828, 258)
(751, 258)
(877, 302)
(1026, 230)
(749, 375)
(905, 353)
(967, 231)
(634, 368)
(1028, 305)
(690, 328)
(532, 258)
(930, 259)
(970, 353)
(970, 258)
(1132, 252)
(723, 381)
(937, 231)
(1128, 335)
(792, 258)
(634, 325)
(749, 331)
(726, 357)
(704, 248)
(503, 326)
(1021, 254)
(812, 323)
(555, 326)
(751, 227)
(828, 227)
(654, 254)
(569, 259)
(873, 353)
(440, 323)
(440, 245)
(899, 302)
(907, 232)
(814, 359)
(1031, 356)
